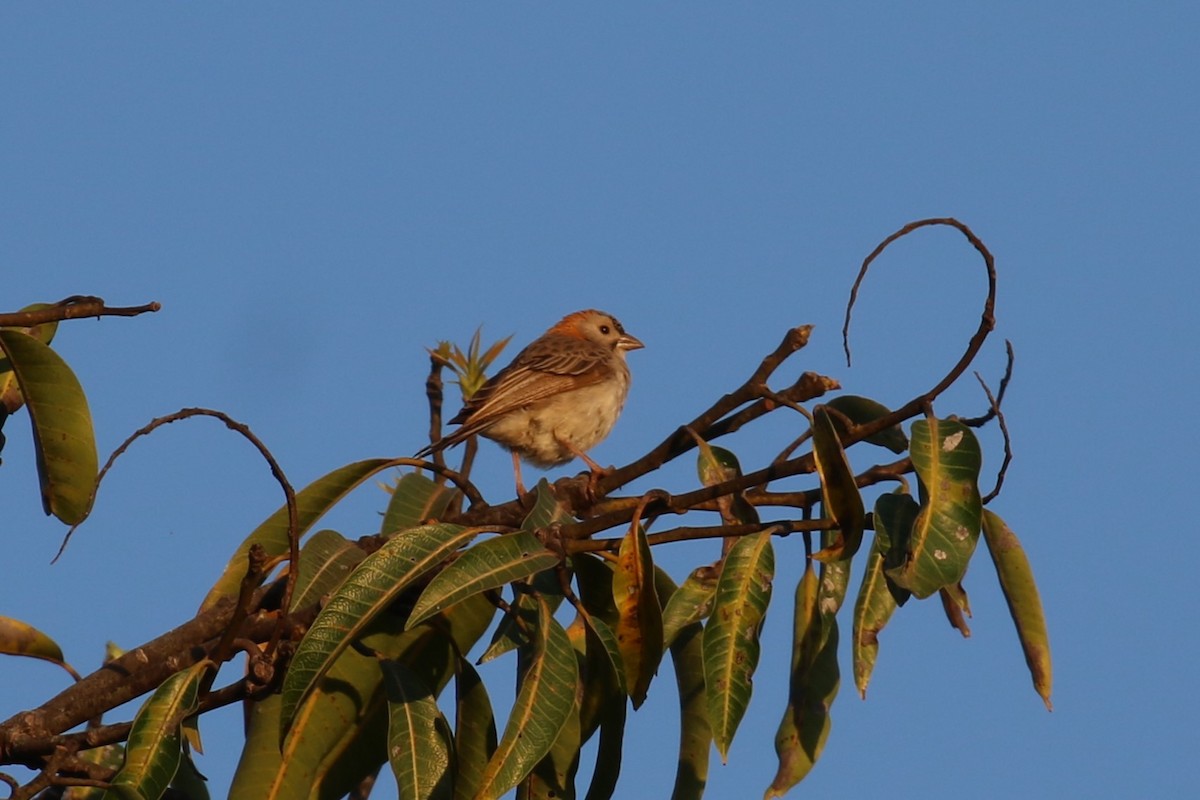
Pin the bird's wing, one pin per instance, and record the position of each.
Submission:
(543, 369)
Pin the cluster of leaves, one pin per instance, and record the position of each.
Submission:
(351, 647)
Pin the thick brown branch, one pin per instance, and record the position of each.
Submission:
(31, 735)
(120, 680)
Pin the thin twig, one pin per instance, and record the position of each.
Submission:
(186, 413)
(74, 307)
(987, 321)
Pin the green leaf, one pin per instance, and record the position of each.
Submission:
(155, 747)
(419, 738)
(541, 709)
(488, 565)
(339, 731)
(716, 465)
(1024, 603)
(475, 731)
(188, 783)
(603, 702)
(553, 777)
(691, 602)
(695, 733)
(860, 411)
(311, 504)
(895, 515)
(370, 589)
(839, 492)
(10, 391)
(876, 600)
(415, 500)
(547, 509)
(326, 560)
(512, 632)
(62, 425)
(812, 687)
(946, 456)
(595, 579)
(731, 646)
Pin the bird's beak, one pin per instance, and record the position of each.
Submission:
(627, 342)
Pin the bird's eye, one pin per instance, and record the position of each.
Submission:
(604, 329)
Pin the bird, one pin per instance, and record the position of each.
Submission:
(557, 399)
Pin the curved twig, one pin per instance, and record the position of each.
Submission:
(1008, 454)
(238, 427)
(987, 322)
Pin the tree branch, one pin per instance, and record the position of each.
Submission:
(73, 307)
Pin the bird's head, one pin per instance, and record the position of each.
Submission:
(599, 327)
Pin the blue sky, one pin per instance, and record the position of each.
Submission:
(316, 193)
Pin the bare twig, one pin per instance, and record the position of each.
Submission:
(1008, 454)
(680, 441)
(987, 322)
(73, 307)
(185, 413)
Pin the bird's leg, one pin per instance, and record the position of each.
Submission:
(517, 474)
(597, 471)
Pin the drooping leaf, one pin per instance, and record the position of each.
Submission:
(956, 605)
(639, 627)
(695, 733)
(946, 456)
(370, 589)
(691, 602)
(543, 704)
(553, 777)
(716, 465)
(311, 504)
(861, 410)
(155, 747)
(547, 509)
(339, 731)
(67, 462)
(895, 515)
(1024, 603)
(513, 630)
(474, 733)
(419, 738)
(812, 687)
(876, 600)
(833, 579)
(415, 500)
(10, 391)
(595, 579)
(603, 702)
(20, 639)
(488, 565)
(731, 646)
(839, 492)
(188, 783)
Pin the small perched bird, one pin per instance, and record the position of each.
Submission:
(557, 399)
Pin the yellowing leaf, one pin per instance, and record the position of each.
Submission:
(1024, 603)
(639, 623)
(839, 492)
